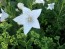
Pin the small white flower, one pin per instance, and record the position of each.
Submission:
(39, 1)
(3, 15)
(28, 19)
(51, 6)
(20, 5)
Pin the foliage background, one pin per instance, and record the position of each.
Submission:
(50, 36)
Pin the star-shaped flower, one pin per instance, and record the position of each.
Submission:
(28, 19)
(39, 1)
(3, 15)
(51, 6)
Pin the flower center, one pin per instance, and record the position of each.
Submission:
(29, 19)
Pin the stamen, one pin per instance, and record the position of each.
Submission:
(29, 19)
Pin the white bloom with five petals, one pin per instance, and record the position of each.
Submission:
(3, 15)
(28, 19)
(51, 6)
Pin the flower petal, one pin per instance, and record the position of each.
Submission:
(26, 10)
(4, 15)
(36, 13)
(36, 24)
(0, 14)
(27, 28)
(2, 10)
(23, 8)
(20, 19)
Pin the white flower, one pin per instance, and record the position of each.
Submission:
(3, 15)
(39, 1)
(20, 5)
(51, 6)
(28, 19)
